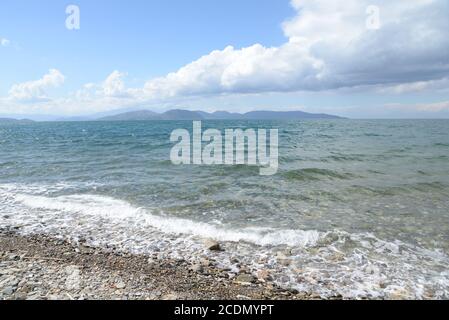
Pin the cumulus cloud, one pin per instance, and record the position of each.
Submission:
(114, 85)
(419, 86)
(4, 42)
(328, 47)
(422, 107)
(434, 107)
(37, 90)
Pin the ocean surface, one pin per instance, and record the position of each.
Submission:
(358, 208)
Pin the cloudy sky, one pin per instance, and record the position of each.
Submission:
(355, 58)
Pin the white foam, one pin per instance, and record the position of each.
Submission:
(327, 263)
(96, 205)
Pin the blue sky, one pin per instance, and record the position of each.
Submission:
(145, 38)
(230, 55)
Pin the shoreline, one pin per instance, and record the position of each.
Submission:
(39, 267)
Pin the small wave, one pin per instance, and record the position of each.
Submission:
(329, 263)
(440, 144)
(404, 189)
(345, 158)
(372, 134)
(430, 186)
(315, 174)
(102, 206)
(48, 189)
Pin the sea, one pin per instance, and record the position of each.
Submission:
(358, 208)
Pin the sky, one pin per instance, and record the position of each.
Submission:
(350, 58)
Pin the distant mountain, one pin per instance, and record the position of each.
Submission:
(287, 115)
(181, 115)
(141, 115)
(145, 115)
(14, 121)
(74, 119)
(29, 117)
(221, 115)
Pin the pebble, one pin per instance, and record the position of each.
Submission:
(285, 262)
(206, 262)
(263, 275)
(120, 285)
(197, 268)
(170, 297)
(14, 257)
(8, 291)
(212, 245)
(126, 277)
(245, 279)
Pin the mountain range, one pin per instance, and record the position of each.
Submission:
(145, 115)
(177, 114)
(19, 121)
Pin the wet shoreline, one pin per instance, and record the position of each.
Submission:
(38, 267)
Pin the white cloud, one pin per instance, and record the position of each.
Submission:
(37, 90)
(249, 70)
(422, 107)
(4, 42)
(434, 107)
(329, 47)
(419, 86)
(114, 85)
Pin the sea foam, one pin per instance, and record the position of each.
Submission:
(328, 263)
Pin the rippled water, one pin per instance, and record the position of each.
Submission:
(358, 208)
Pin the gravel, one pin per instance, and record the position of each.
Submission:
(43, 268)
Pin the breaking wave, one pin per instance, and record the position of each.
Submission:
(328, 263)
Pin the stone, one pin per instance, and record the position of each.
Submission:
(197, 268)
(264, 275)
(285, 262)
(337, 257)
(156, 294)
(206, 262)
(293, 291)
(400, 294)
(14, 257)
(212, 245)
(245, 279)
(243, 270)
(20, 296)
(8, 291)
(169, 297)
(120, 285)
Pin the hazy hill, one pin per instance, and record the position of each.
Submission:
(133, 115)
(18, 121)
(287, 115)
(181, 115)
(221, 115)
(144, 115)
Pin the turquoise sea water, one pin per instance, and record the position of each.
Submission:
(358, 207)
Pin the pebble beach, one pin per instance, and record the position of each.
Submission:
(39, 267)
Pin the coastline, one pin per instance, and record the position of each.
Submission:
(39, 267)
